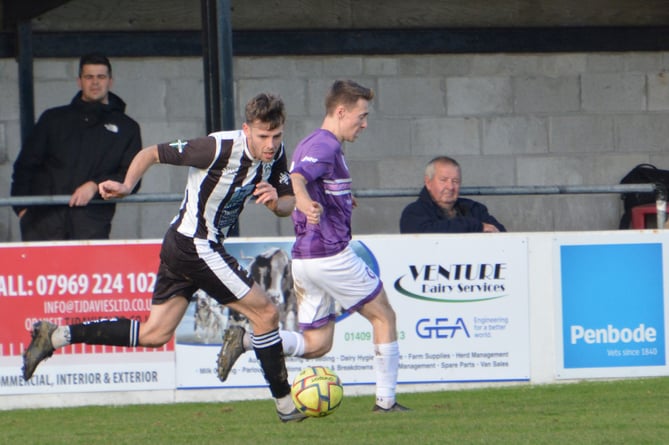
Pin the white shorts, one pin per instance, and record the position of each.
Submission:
(321, 283)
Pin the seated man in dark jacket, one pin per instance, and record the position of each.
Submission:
(439, 209)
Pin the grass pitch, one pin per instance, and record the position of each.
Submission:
(602, 412)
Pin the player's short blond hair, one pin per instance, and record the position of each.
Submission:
(347, 93)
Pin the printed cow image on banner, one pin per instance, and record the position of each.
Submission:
(271, 270)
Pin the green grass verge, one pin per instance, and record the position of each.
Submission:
(602, 412)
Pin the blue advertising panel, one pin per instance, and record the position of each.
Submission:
(612, 306)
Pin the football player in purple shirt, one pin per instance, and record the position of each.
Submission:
(325, 268)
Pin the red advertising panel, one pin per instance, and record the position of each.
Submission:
(68, 283)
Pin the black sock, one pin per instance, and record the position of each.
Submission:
(269, 351)
(113, 331)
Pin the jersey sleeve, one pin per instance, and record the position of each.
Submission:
(313, 163)
(280, 178)
(198, 153)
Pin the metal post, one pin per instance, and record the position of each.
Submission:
(210, 62)
(26, 87)
(217, 64)
(225, 65)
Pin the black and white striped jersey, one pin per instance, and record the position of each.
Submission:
(221, 177)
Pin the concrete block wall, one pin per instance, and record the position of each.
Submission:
(521, 119)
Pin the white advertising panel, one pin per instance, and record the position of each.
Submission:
(461, 304)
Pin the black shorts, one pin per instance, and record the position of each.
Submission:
(188, 264)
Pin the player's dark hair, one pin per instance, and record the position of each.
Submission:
(347, 93)
(94, 59)
(266, 108)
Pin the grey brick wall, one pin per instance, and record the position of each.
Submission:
(527, 119)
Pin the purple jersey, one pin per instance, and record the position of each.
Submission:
(320, 159)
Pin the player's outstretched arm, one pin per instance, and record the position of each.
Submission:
(303, 202)
(139, 165)
(266, 194)
(285, 205)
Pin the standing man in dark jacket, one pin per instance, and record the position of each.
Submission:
(70, 151)
(439, 208)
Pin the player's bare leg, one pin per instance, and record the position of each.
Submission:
(318, 342)
(162, 323)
